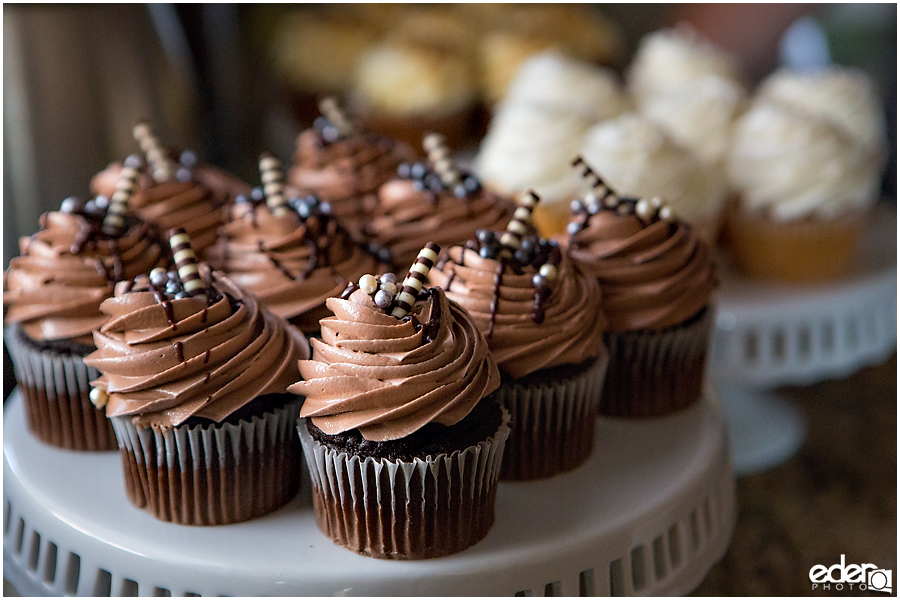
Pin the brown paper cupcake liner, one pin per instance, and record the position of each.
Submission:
(56, 390)
(212, 475)
(655, 373)
(399, 509)
(552, 422)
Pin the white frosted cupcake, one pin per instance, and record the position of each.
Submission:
(807, 171)
(670, 58)
(538, 129)
(638, 158)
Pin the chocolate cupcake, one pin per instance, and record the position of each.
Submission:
(338, 163)
(293, 255)
(52, 295)
(179, 195)
(433, 200)
(224, 186)
(402, 437)
(194, 376)
(540, 312)
(657, 278)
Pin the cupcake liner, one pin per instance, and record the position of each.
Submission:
(56, 390)
(803, 251)
(655, 373)
(552, 422)
(405, 509)
(212, 474)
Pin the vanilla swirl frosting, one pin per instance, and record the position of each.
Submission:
(291, 265)
(406, 218)
(652, 275)
(346, 172)
(570, 330)
(165, 360)
(389, 377)
(54, 289)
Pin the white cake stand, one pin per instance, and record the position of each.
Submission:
(768, 335)
(650, 513)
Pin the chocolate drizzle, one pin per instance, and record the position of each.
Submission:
(434, 322)
(179, 351)
(351, 287)
(206, 357)
(495, 299)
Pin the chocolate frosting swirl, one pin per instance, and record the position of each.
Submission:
(346, 172)
(54, 289)
(224, 186)
(291, 265)
(652, 276)
(503, 307)
(406, 218)
(163, 361)
(187, 204)
(388, 377)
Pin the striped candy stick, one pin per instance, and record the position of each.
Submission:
(412, 284)
(114, 221)
(605, 193)
(329, 108)
(162, 168)
(272, 174)
(185, 262)
(511, 240)
(439, 157)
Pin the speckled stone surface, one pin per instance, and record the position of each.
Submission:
(838, 495)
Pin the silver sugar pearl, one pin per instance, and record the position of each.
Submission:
(325, 208)
(183, 174)
(539, 280)
(573, 227)
(182, 295)
(173, 275)
(460, 191)
(388, 278)
(71, 205)
(383, 299)
(102, 202)
(158, 276)
(188, 159)
(389, 287)
(173, 287)
(576, 206)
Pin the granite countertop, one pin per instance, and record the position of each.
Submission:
(838, 495)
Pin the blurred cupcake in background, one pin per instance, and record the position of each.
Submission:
(636, 156)
(316, 52)
(433, 201)
(420, 78)
(224, 186)
(671, 58)
(806, 163)
(337, 162)
(692, 90)
(520, 31)
(538, 129)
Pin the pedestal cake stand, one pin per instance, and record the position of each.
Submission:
(651, 511)
(768, 335)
